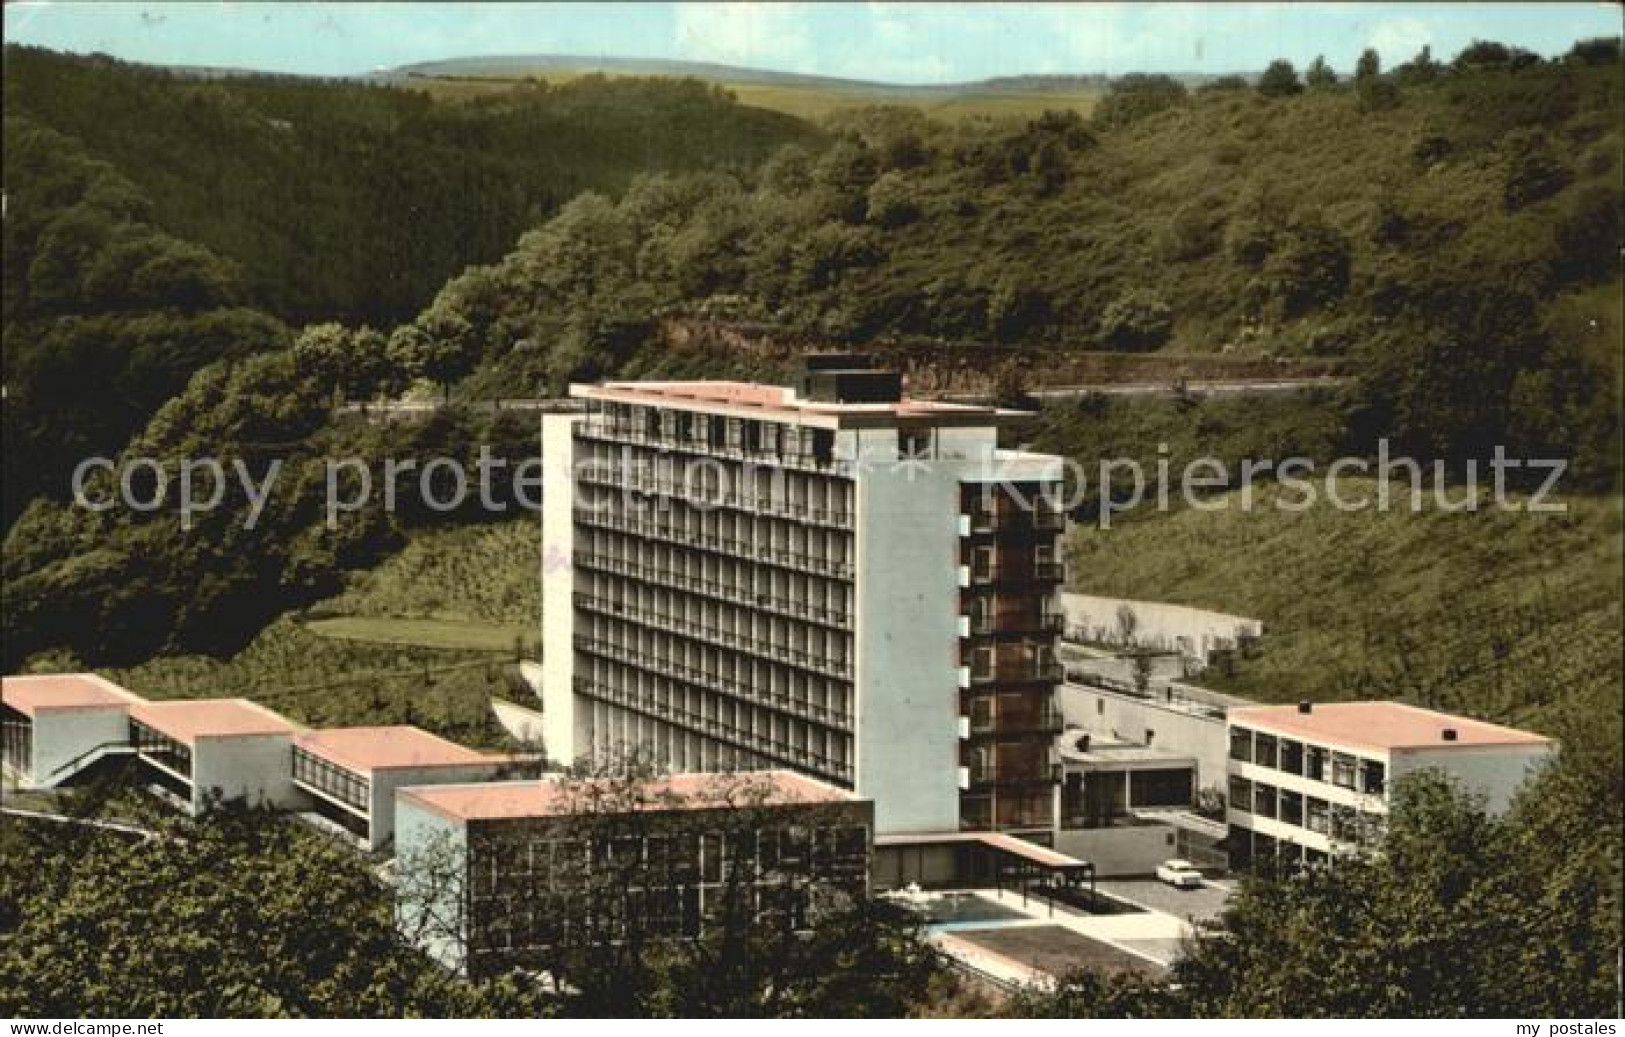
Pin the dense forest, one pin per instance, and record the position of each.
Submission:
(204, 267)
(1449, 230)
(157, 222)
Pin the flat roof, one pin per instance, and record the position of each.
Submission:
(1381, 726)
(367, 749)
(1030, 851)
(555, 797)
(187, 720)
(33, 694)
(781, 403)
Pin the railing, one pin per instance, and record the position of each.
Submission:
(1048, 721)
(715, 589)
(1005, 519)
(1037, 572)
(1017, 622)
(592, 429)
(714, 682)
(1018, 673)
(619, 522)
(787, 654)
(1010, 776)
(714, 727)
(612, 476)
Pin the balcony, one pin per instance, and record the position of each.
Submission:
(1012, 673)
(613, 432)
(1012, 574)
(983, 777)
(632, 524)
(1024, 621)
(1011, 518)
(1046, 721)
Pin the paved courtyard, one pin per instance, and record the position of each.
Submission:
(1202, 904)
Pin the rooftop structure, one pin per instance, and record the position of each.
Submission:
(188, 720)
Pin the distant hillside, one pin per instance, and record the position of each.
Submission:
(356, 201)
(805, 96)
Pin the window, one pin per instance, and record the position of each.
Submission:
(1241, 794)
(1373, 777)
(161, 749)
(1315, 764)
(342, 785)
(1291, 756)
(1264, 750)
(1319, 816)
(1264, 804)
(1160, 788)
(982, 663)
(1241, 744)
(1343, 770)
(1292, 807)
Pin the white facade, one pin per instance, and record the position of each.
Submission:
(1190, 631)
(65, 740)
(1316, 780)
(760, 580)
(257, 769)
(908, 649)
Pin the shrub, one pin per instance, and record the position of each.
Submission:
(1138, 320)
(1280, 79)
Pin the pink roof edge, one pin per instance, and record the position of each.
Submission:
(554, 797)
(44, 692)
(368, 749)
(1383, 725)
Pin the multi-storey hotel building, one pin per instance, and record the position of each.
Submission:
(1310, 781)
(832, 579)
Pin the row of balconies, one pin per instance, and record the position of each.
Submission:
(718, 590)
(1013, 621)
(790, 655)
(716, 682)
(713, 727)
(741, 550)
(1045, 720)
(1045, 671)
(977, 776)
(755, 504)
(1009, 518)
(1012, 573)
(796, 459)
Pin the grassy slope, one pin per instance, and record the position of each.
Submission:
(1510, 615)
(479, 582)
(808, 101)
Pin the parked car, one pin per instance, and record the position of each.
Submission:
(1179, 874)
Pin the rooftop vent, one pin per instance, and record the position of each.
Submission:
(1306, 706)
(1448, 734)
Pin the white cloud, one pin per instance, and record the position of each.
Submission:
(1398, 39)
(761, 35)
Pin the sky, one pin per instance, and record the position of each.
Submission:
(891, 42)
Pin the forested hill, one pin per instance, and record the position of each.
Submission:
(1447, 232)
(158, 222)
(1450, 230)
(343, 200)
